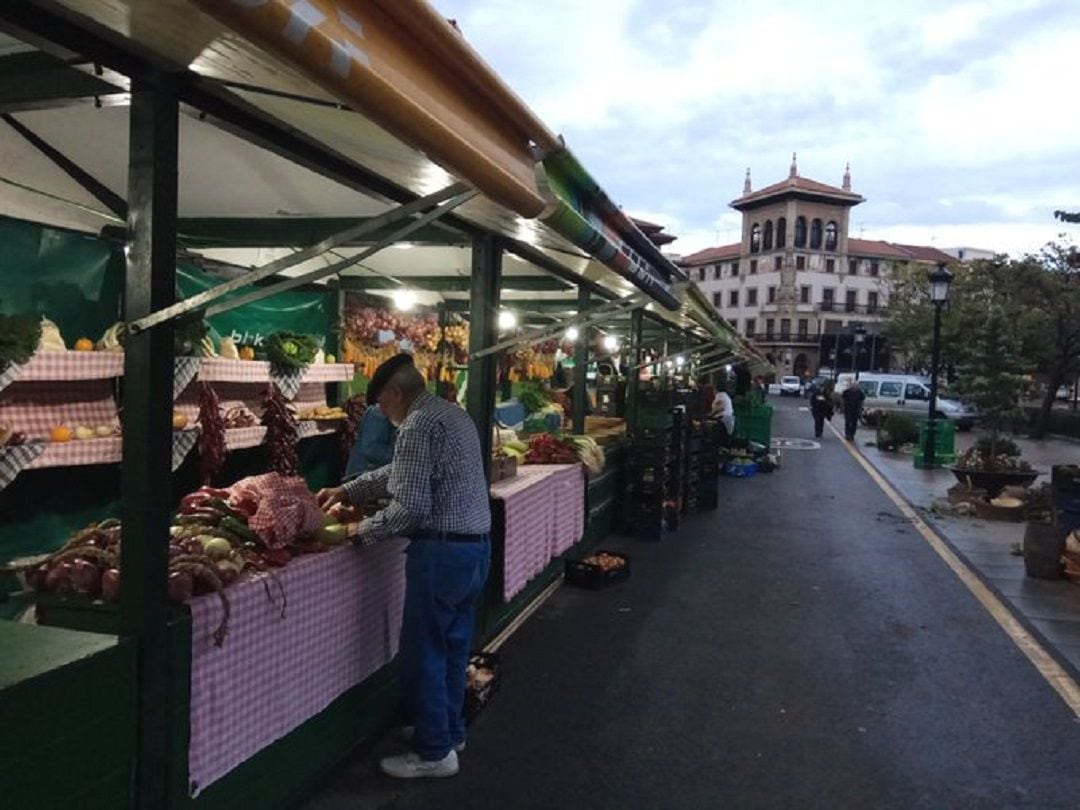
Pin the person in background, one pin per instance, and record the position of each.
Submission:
(438, 494)
(853, 398)
(821, 407)
(724, 411)
(374, 446)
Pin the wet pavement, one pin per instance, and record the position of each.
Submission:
(801, 647)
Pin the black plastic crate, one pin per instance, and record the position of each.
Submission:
(589, 575)
(478, 693)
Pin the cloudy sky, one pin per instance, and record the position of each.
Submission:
(961, 120)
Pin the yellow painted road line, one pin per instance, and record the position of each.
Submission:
(1050, 669)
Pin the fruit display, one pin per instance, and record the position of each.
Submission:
(322, 413)
(59, 434)
(605, 561)
(84, 344)
(533, 362)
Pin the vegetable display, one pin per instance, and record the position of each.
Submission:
(291, 350)
(544, 448)
(281, 431)
(19, 336)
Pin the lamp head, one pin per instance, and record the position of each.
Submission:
(940, 279)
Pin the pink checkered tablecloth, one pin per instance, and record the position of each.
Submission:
(340, 625)
(63, 366)
(34, 407)
(544, 506)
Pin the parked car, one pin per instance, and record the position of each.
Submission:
(791, 386)
(910, 394)
(1064, 392)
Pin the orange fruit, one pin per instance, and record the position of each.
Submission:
(84, 345)
(60, 433)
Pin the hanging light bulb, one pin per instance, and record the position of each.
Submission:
(572, 334)
(404, 299)
(611, 343)
(680, 360)
(507, 320)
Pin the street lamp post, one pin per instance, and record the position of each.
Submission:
(940, 279)
(856, 345)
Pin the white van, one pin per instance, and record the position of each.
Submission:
(910, 394)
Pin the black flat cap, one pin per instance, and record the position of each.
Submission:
(383, 373)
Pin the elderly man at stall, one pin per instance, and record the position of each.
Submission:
(439, 498)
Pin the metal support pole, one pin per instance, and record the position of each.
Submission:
(581, 364)
(634, 381)
(483, 332)
(147, 407)
(930, 455)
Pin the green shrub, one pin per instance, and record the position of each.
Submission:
(897, 429)
(1005, 447)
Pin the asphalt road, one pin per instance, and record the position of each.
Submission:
(801, 647)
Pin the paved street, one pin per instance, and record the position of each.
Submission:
(802, 647)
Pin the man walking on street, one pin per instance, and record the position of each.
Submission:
(853, 398)
(821, 408)
(439, 498)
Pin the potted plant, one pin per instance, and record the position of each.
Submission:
(993, 379)
(896, 430)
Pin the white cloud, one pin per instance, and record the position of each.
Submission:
(966, 103)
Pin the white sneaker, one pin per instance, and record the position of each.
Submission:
(407, 732)
(410, 766)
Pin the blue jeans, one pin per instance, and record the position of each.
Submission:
(443, 583)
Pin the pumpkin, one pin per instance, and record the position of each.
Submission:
(84, 345)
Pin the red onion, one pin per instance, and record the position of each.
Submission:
(181, 586)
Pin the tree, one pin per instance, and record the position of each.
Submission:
(1039, 296)
(993, 372)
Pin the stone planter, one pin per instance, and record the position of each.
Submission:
(1043, 544)
(994, 482)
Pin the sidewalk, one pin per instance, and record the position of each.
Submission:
(1051, 607)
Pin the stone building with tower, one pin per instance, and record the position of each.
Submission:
(808, 294)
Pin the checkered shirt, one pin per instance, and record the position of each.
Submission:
(436, 481)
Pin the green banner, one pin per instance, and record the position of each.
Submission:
(72, 279)
(307, 311)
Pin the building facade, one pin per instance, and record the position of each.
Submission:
(806, 293)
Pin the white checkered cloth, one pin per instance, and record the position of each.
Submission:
(185, 370)
(182, 442)
(13, 460)
(219, 369)
(287, 381)
(273, 672)
(544, 507)
(9, 375)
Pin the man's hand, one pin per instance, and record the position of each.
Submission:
(330, 496)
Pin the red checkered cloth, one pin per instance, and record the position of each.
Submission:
(544, 505)
(286, 507)
(35, 407)
(64, 366)
(218, 369)
(274, 673)
(79, 453)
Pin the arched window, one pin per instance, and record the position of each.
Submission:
(815, 233)
(755, 238)
(768, 235)
(830, 236)
(800, 232)
(781, 232)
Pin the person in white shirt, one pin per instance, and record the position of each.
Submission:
(723, 410)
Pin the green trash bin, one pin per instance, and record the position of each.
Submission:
(754, 423)
(944, 443)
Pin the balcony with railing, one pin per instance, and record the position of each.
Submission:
(851, 308)
(775, 336)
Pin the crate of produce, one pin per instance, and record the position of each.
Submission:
(741, 469)
(599, 570)
(481, 682)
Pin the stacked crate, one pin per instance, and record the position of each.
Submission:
(652, 483)
(709, 463)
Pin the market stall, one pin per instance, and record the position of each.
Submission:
(361, 176)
